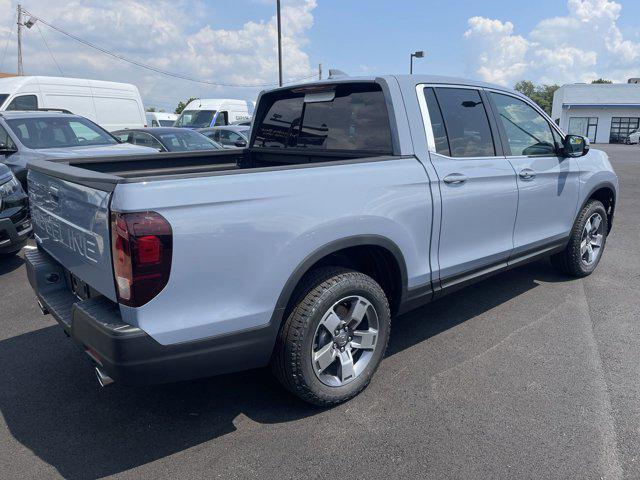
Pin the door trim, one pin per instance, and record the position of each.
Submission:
(456, 282)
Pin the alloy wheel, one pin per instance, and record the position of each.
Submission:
(344, 341)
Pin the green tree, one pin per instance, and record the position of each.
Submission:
(182, 104)
(541, 94)
(601, 80)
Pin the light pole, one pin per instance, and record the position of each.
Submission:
(418, 54)
(279, 44)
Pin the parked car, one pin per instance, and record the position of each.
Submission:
(55, 136)
(633, 137)
(212, 112)
(111, 105)
(15, 225)
(358, 199)
(230, 136)
(161, 119)
(167, 139)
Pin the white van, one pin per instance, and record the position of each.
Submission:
(213, 112)
(161, 119)
(111, 105)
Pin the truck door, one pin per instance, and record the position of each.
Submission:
(548, 183)
(478, 189)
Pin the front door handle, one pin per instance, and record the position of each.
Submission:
(455, 178)
(527, 174)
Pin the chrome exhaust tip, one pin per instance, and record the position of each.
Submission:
(43, 309)
(103, 378)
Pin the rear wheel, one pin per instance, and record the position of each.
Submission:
(334, 338)
(586, 244)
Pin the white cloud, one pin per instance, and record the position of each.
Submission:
(180, 36)
(583, 45)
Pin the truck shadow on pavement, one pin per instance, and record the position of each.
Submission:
(52, 404)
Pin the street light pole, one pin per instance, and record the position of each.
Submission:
(418, 54)
(20, 69)
(279, 45)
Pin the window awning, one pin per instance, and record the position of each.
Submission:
(567, 106)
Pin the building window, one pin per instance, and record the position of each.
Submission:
(585, 126)
(621, 127)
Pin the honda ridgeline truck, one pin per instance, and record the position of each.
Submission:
(357, 199)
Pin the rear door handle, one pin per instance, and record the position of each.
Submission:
(527, 174)
(455, 178)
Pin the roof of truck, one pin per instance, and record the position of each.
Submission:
(405, 79)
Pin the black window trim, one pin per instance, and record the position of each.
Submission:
(426, 118)
(503, 135)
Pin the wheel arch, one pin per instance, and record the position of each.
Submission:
(328, 254)
(605, 192)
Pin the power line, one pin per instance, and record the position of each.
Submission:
(50, 52)
(150, 67)
(6, 45)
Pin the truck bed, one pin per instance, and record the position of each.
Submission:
(104, 173)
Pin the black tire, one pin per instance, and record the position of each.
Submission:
(570, 261)
(317, 292)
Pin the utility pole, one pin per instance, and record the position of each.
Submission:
(279, 45)
(319, 71)
(20, 70)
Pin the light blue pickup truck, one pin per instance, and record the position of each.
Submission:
(357, 199)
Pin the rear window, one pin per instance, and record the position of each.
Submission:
(356, 118)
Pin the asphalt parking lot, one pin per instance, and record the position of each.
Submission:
(526, 375)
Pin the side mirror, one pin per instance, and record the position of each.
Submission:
(575, 146)
(241, 143)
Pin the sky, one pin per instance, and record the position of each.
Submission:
(234, 42)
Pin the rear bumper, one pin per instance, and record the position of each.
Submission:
(126, 353)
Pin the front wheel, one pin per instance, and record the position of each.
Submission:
(586, 243)
(333, 340)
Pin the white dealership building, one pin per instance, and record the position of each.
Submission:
(606, 113)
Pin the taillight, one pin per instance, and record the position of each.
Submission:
(141, 247)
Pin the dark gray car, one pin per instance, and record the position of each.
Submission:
(229, 136)
(32, 135)
(167, 139)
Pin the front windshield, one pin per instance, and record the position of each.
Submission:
(167, 123)
(3, 97)
(59, 132)
(195, 118)
(187, 140)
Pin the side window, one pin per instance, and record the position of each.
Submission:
(228, 137)
(24, 102)
(528, 132)
(5, 138)
(221, 119)
(557, 138)
(145, 140)
(437, 123)
(123, 137)
(154, 123)
(466, 122)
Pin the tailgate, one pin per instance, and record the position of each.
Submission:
(71, 223)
